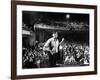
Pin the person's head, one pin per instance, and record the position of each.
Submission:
(55, 34)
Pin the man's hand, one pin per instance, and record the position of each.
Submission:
(62, 40)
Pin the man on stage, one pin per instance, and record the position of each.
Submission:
(52, 47)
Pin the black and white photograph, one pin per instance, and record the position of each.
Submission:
(52, 40)
(55, 39)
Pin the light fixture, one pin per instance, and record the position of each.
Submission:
(67, 16)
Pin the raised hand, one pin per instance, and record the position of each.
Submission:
(62, 39)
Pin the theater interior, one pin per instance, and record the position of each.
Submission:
(37, 28)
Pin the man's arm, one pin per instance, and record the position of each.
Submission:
(61, 41)
(46, 46)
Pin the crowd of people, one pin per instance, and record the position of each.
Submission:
(69, 54)
(76, 53)
(66, 25)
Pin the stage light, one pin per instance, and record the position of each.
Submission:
(67, 16)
